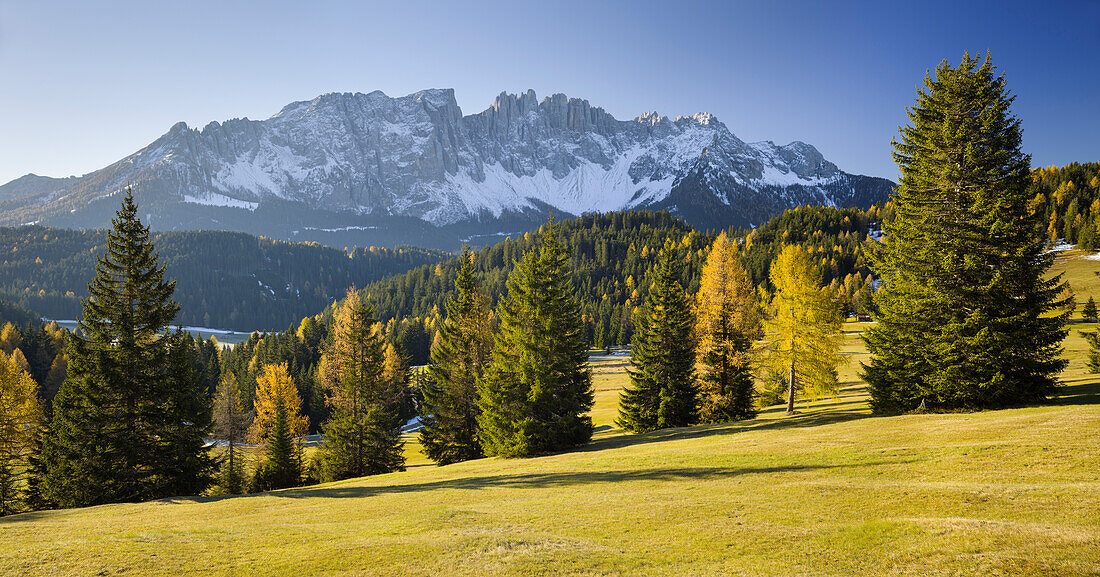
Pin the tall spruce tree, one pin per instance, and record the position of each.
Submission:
(663, 390)
(106, 441)
(1093, 339)
(727, 322)
(363, 433)
(964, 316)
(186, 467)
(450, 410)
(537, 390)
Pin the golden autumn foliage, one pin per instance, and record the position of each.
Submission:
(802, 327)
(727, 322)
(19, 416)
(10, 338)
(19, 410)
(274, 386)
(363, 377)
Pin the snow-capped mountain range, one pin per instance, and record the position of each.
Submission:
(371, 166)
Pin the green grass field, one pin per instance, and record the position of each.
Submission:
(829, 491)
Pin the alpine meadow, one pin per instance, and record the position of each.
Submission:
(375, 335)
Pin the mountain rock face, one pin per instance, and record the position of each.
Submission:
(370, 169)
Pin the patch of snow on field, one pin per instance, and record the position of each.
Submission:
(1059, 246)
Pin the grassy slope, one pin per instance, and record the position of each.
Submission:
(829, 491)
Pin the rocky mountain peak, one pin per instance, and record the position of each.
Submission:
(418, 157)
(649, 118)
(700, 118)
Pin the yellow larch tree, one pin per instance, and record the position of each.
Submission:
(802, 327)
(19, 416)
(727, 317)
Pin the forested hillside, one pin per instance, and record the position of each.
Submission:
(226, 280)
(612, 258)
(1069, 196)
(612, 255)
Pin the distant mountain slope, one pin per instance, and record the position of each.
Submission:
(33, 186)
(371, 169)
(225, 280)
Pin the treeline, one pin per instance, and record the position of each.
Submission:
(277, 387)
(1068, 198)
(611, 256)
(697, 302)
(138, 402)
(607, 254)
(226, 280)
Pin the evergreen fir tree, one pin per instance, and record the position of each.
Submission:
(964, 311)
(1093, 339)
(363, 433)
(1089, 312)
(537, 390)
(105, 441)
(663, 391)
(33, 497)
(186, 467)
(282, 466)
(727, 323)
(450, 410)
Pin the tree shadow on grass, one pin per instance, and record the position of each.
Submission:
(23, 517)
(798, 420)
(1082, 391)
(565, 479)
(554, 480)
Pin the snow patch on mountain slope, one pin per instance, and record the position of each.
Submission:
(214, 199)
(588, 187)
(778, 177)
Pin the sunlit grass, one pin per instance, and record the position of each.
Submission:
(830, 491)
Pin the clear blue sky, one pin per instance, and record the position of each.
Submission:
(83, 84)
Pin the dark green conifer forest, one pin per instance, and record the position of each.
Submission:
(226, 280)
